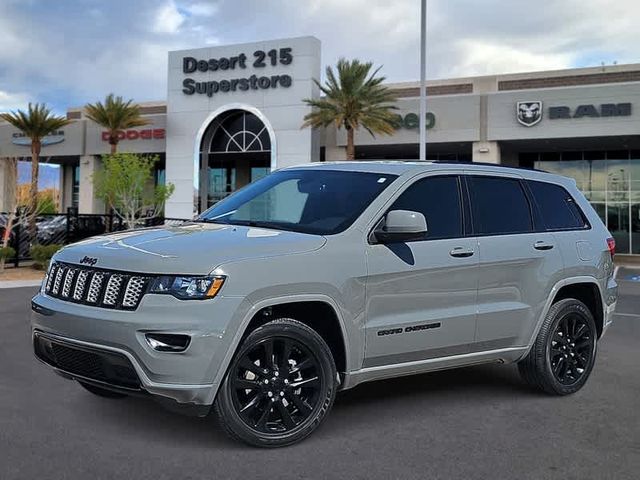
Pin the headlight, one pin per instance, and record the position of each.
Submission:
(187, 288)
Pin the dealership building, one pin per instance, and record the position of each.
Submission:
(233, 113)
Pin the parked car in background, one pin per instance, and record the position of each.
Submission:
(318, 278)
(52, 229)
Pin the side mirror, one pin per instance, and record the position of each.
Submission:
(401, 226)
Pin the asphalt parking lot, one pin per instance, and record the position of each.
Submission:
(473, 423)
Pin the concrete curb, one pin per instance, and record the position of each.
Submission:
(20, 283)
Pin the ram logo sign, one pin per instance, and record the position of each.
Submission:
(529, 113)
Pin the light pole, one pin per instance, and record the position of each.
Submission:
(423, 80)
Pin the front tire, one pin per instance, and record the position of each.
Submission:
(279, 387)
(563, 355)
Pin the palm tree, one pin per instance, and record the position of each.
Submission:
(115, 114)
(36, 123)
(355, 98)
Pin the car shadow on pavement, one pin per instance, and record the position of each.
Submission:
(485, 379)
(146, 419)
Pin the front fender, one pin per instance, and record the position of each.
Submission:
(354, 341)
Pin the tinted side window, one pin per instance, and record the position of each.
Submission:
(559, 210)
(438, 199)
(499, 206)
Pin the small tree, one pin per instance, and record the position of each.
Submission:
(125, 183)
(115, 115)
(11, 181)
(355, 98)
(36, 123)
(18, 207)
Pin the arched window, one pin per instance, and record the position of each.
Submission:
(235, 150)
(239, 132)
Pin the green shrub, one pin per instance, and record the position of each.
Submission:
(7, 252)
(41, 255)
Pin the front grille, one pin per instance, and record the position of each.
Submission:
(103, 366)
(93, 286)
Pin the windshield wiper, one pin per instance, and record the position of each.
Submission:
(207, 220)
(213, 219)
(263, 224)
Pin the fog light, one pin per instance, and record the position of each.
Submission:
(166, 342)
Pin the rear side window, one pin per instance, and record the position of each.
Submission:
(499, 206)
(438, 199)
(557, 207)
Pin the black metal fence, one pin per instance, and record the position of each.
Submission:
(65, 228)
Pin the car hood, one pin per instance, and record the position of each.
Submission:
(193, 248)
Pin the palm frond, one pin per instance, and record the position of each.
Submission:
(37, 122)
(353, 97)
(115, 114)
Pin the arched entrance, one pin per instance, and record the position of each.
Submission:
(235, 150)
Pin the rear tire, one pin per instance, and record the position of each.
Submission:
(101, 392)
(279, 386)
(563, 354)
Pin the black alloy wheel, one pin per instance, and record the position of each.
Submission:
(276, 384)
(571, 348)
(279, 387)
(564, 351)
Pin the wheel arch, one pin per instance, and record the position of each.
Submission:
(588, 293)
(566, 288)
(254, 318)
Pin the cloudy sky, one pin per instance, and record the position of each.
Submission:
(69, 52)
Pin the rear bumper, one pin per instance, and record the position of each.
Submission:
(609, 311)
(610, 298)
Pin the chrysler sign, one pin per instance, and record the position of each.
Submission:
(19, 138)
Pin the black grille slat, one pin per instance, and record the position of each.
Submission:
(100, 288)
(86, 364)
(102, 366)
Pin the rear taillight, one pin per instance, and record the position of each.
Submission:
(611, 243)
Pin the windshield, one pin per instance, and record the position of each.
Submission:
(322, 202)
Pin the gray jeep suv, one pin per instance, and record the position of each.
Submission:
(317, 278)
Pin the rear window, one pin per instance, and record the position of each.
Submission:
(499, 206)
(557, 207)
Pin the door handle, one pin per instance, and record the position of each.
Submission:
(542, 245)
(461, 252)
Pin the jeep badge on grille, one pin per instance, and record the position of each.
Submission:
(89, 261)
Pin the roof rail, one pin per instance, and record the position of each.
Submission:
(488, 164)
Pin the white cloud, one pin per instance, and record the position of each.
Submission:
(13, 101)
(168, 19)
(212, 41)
(484, 58)
(202, 9)
(68, 55)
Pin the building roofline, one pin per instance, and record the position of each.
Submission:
(599, 75)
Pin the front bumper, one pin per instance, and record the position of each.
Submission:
(186, 378)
